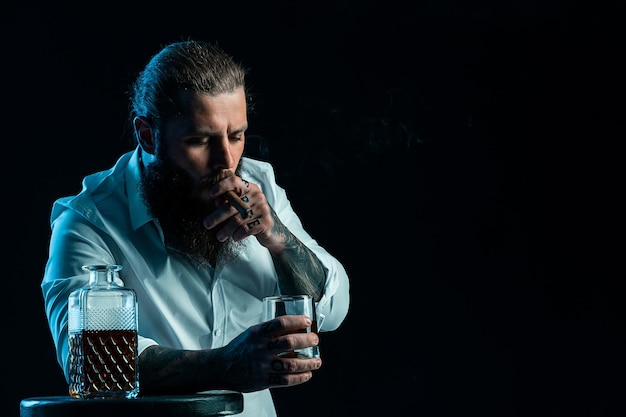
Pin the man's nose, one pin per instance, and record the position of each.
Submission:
(221, 155)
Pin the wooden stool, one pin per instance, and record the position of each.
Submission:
(206, 404)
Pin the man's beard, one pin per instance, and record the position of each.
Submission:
(173, 198)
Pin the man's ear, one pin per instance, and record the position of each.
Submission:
(144, 135)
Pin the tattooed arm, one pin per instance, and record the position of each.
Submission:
(165, 370)
(299, 270)
(248, 363)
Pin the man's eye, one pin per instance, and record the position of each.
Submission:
(197, 142)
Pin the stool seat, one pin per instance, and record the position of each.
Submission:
(205, 404)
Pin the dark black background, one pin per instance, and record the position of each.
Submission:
(461, 158)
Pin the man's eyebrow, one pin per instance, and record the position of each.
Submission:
(210, 133)
(240, 130)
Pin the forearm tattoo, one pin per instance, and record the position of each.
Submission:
(299, 270)
(165, 370)
(162, 370)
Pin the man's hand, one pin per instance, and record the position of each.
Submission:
(259, 221)
(252, 359)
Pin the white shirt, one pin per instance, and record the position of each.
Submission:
(179, 305)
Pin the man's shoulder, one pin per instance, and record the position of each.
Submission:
(258, 170)
(99, 190)
(253, 164)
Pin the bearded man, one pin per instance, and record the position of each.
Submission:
(169, 212)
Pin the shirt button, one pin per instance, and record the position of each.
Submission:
(217, 332)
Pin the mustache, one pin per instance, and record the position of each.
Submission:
(209, 181)
(212, 179)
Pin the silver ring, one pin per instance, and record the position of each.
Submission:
(245, 199)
